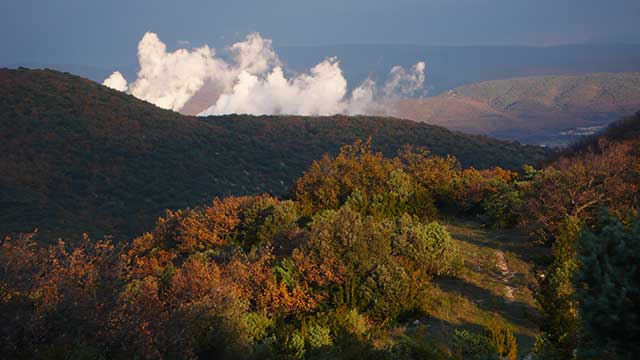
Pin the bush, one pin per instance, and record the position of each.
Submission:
(280, 227)
(428, 247)
(496, 343)
(502, 340)
(470, 346)
(408, 348)
(319, 337)
(504, 208)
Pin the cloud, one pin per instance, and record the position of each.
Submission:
(253, 81)
(170, 79)
(320, 92)
(255, 55)
(116, 81)
(402, 83)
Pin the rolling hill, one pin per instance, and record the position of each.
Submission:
(77, 156)
(449, 67)
(549, 110)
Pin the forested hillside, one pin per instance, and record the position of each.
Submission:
(625, 129)
(412, 254)
(76, 156)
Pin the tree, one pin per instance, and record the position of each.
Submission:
(608, 291)
(330, 181)
(556, 297)
(579, 186)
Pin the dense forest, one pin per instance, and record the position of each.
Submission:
(356, 259)
(77, 156)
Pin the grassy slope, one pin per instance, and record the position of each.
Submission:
(555, 91)
(479, 296)
(77, 156)
(530, 109)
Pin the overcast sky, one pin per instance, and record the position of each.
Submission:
(105, 32)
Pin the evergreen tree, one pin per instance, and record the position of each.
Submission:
(557, 297)
(608, 291)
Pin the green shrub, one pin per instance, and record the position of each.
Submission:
(319, 337)
(280, 227)
(470, 346)
(257, 326)
(410, 348)
(352, 322)
(428, 246)
(504, 208)
(386, 293)
(294, 345)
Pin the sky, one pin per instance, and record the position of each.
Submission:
(106, 32)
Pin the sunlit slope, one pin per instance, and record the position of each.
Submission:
(531, 109)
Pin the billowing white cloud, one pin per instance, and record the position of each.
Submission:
(116, 81)
(255, 55)
(170, 79)
(320, 92)
(254, 82)
(402, 83)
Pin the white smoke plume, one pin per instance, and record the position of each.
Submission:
(254, 82)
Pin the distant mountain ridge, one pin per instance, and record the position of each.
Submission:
(447, 66)
(77, 156)
(530, 109)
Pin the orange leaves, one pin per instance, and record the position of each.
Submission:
(145, 257)
(279, 299)
(319, 271)
(578, 186)
(54, 275)
(203, 228)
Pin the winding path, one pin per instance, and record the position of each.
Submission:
(506, 275)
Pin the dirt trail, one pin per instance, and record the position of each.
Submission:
(506, 275)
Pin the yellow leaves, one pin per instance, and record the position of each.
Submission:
(328, 182)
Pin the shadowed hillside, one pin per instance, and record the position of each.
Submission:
(627, 128)
(548, 110)
(77, 156)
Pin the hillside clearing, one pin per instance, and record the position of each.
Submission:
(495, 285)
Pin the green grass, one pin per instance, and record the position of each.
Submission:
(478, 296)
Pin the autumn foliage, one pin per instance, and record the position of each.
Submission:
(325, 273)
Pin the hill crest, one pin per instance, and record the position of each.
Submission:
(88, 158)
